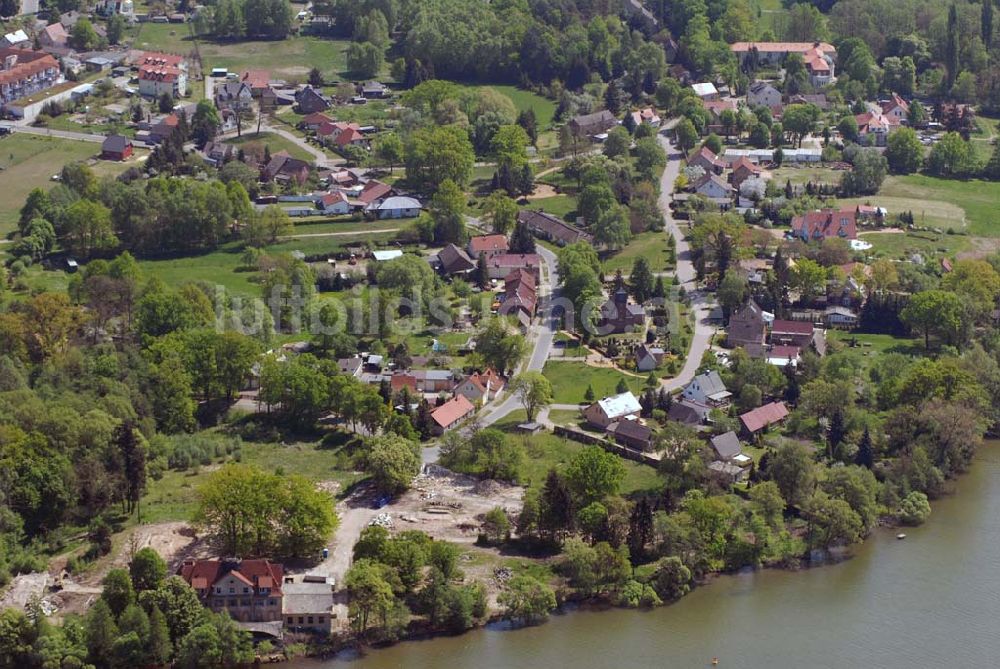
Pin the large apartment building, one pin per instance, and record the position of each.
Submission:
(161, 73)
(24, 73)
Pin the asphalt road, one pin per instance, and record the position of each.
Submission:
(701, 303)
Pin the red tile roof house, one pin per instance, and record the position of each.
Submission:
(743, 169)
(257, 80)
(873, 124)
(161, 73)
(520, 296)
(819, 57)
(825, 224)
(498, 267)
(313, 121)
(791, 333)
(707, 161)
(747, 327)
(250, 590)
(24, 73)
(351, 137)
(491, 245)
(896, 110)
(480, 387)
(450, 414)
(374, 190)
(756, 421)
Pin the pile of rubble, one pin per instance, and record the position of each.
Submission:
(502, 574)
(382, 520)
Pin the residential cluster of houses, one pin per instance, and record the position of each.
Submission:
(467, 392)
(595, 126)
(618, 417)
(519, 272)
(780, 342)
(258, 591)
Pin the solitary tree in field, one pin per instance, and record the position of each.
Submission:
(534, 391)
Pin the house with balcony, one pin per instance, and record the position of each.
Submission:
(24, 73)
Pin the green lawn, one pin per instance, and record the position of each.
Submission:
(570, 380)
(649, 245)
(874, 345)
(928, 244)
(803, 175)
(546, 450)
(222, 267)
(563, 206)
(926, 212)
(978, 199)
(276, 142)
(545, 111)
(290, 58)
(29, 161)
(174, 497)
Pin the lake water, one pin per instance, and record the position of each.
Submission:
(932, 600)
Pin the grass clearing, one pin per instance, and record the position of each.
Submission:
(926, 213)
(29, 161)
(563, 206)
(174, 497)
(570, 379)
(546, 450)
(978, 199)
(649, 245)
(902, 245)
(275, 142)
(800, 176)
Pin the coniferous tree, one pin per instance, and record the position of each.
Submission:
(589, 394)
(521, 241)
(865, 456)
(640, 529)
(556, 507)
(622, 387)
(951, 49)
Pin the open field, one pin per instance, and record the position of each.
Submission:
(174, 497)
(902, 245)
(288, 58)
(563, 206)
(570, 379)
(275, 142)
(222, 267)
(800, 176)
(978, 199)
(926, 213)
(29, 161)
(649, 245)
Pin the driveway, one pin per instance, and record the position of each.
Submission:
(701, 303)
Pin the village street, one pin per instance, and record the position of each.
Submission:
(701, 303)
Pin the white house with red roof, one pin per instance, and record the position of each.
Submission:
(481, 386)
(896, 110)
(333, 203)
(161, 73)
(873, 127)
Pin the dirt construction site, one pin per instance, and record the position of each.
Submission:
(445, 505)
